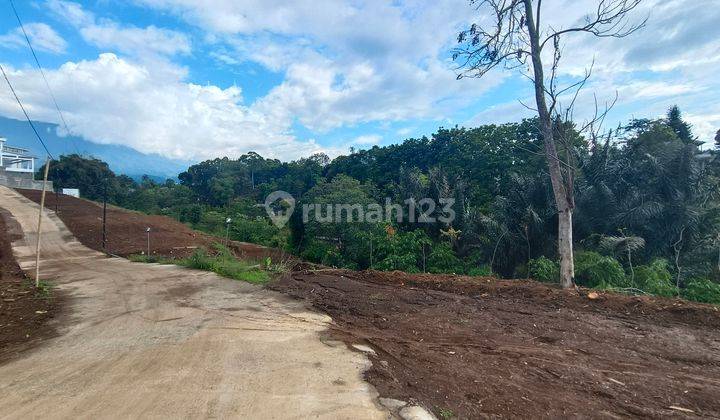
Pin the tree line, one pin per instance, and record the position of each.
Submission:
(646, 204)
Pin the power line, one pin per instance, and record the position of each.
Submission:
(25, 112)
(42, 73)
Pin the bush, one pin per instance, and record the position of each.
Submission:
(702, 290)
(442, 259)
(224, 264)
(655, 278)
(544, 270)
(322, 253)
(191, 213)
(595, 270)
(481, 271)
(403, 251)
(199, 260)
(144, 258)
(403, 262)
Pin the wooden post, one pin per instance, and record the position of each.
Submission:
(39, 229)
(104, 217)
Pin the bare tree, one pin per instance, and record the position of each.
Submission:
(516, 40)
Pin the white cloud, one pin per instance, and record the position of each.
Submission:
(131, 40)
(114, 101)
(138, 41)
(42, 37)
(345, 62)
(367, 140)
(348, 62)
(673, 60)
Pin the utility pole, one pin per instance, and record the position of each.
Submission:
(148, 241)
(39, 229)
(104, 232)
(227, 230)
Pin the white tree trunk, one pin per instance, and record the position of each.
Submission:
(565, 249)
(563, 195)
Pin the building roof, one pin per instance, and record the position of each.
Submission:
(15, 150)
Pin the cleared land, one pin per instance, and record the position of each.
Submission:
(26, 315)
(126, 230)
(152, 341)
(480, 347)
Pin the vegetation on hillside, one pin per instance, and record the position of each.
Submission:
(220, 261)
(646, 216)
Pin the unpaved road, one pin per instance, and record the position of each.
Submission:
(161, 341)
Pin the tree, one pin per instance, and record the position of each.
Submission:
(680, 127)
(516, 36)
(92, 176)
(625, 244)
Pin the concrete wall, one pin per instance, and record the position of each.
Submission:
(22, 180)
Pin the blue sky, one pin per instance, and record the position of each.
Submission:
(192, 80)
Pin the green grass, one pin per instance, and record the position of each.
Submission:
(147, 259)
(446, 413)
(44, 288)
(223, 262)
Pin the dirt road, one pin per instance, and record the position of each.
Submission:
(148, 341)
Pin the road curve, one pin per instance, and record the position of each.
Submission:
(163, 341)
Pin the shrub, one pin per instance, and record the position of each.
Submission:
(402, 251)
(144, 258)
(595, 270)
(224, 264)
(191, 213)
(442, 259)
(702, 290)
(655, 278)
(403, 262)
(315, 251)
(544, 270)
(480, 271)
(199, 260)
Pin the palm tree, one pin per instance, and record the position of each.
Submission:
(623, 243)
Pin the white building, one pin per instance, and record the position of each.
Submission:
(17, 168)
(15, 159)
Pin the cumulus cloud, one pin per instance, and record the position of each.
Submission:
(42, 37)
(114, 101)
(346, 63)
(672, 60)
(127, 39)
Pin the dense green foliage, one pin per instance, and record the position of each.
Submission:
(595, 270)
(702, 290)
(646, 215)
(655, 278)
(544, 269)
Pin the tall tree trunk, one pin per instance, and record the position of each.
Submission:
(565, 249)
(563, 196)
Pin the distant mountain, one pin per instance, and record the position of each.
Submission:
(122, 159)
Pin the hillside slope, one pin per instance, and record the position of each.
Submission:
(472, 347)
(126, 230)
